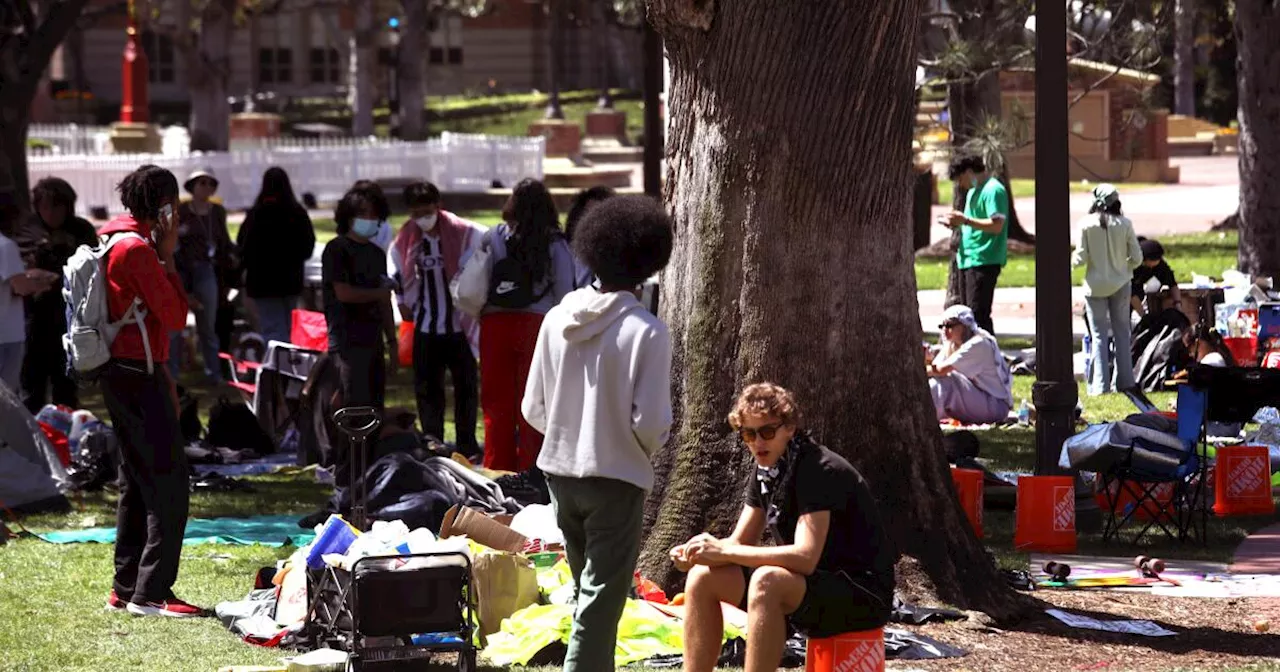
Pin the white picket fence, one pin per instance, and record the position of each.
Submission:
(70, 138)
(454, 162)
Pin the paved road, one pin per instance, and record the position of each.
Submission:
(1209, 192)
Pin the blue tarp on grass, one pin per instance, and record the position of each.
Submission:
(259, 530)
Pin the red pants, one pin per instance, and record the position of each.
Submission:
(506, 351)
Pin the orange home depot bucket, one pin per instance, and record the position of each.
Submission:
(850, 652)
(969, 490)
(1242, 482)
(1244, 350)
(1046, 514)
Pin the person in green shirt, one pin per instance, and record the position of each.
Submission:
(984, 234)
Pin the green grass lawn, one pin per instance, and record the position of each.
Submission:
(52, 595)
(517, 123)
(1203, 253)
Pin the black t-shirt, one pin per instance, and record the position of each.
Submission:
(1160, 271)
(49, 249)
(820, 480)
(361, 265)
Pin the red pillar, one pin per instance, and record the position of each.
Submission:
(134, 104)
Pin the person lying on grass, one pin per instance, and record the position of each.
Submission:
(831, 568)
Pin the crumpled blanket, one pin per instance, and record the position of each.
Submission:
(420, 492)
(252, 619)
(1100, 447)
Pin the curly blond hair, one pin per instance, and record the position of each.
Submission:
(765, 399)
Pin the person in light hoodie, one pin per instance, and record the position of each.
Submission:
(599, 390)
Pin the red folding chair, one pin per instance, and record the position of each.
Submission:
(242, 375)
(309, 330)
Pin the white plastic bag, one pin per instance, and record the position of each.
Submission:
(538, 521)
(470, 287)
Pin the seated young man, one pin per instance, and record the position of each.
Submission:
(831, 568)
(1153, 274)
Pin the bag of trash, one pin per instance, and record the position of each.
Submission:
(93, 464)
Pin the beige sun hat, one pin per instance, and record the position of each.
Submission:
(203, 172)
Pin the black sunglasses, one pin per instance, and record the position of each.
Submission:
(948, 325)
(767, 432)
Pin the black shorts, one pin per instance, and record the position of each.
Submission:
(836, 602)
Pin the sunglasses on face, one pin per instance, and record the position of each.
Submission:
(767, 432)
(948, 325)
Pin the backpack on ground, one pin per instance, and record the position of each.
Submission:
(232, 425)
(511, 287)
(90, 330)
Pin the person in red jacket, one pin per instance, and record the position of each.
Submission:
(141, 398)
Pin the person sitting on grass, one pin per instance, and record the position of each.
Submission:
(969, 378)
(1153, 274)
(831, 568)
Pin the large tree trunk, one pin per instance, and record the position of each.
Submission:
(14, 119)
(409, 69)
(792, 248)
(208, 66)
(24, 56)
(1184, 66)
(360, 85)
(1258, 41)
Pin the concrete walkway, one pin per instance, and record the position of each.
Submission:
(1208, 193)
(1013, 311)
(1259, 553)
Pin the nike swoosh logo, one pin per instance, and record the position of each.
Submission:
(506, 287)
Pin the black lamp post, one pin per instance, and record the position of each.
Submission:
(394, 23)
(1054, 391)
(557, 58)
(605, 102)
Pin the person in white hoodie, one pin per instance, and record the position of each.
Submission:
(599, 390)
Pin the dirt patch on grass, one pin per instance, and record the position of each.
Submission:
(1213, 634)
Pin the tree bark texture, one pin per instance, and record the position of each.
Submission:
(1258, 41)
(789, 183)
(360, 85)
(409, 69)
(27, 42)
(207, 54)
(1184, 66)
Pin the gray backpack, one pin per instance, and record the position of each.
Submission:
(90, 330)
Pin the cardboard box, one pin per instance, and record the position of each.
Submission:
(482, 529)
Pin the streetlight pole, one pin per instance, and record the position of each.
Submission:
(1054, 391)
(134, 105)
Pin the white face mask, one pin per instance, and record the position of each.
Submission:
(428, 223)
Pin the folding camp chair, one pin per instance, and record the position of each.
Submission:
(242, 375)
(283, 374)
(1140, 480)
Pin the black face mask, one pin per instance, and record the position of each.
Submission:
(771, 481)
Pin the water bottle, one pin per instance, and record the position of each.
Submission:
(1024, 413)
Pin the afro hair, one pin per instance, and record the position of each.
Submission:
(624, 240)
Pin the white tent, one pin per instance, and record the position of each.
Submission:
(31, 476)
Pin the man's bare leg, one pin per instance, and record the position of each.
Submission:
(774, 593)
(705, 588)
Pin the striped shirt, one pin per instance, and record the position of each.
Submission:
(435, 313)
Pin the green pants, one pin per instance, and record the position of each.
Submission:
(601, 519)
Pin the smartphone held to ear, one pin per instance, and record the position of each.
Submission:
(164, 222)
